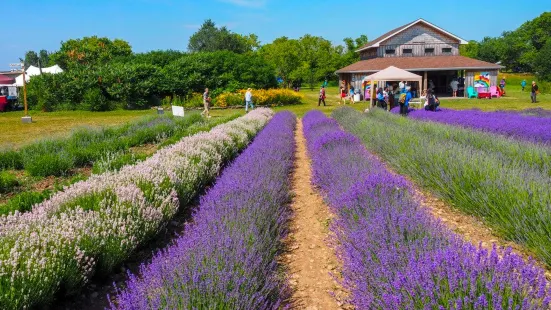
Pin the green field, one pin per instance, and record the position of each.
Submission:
(50, 124)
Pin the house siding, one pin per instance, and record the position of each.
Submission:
(418, 38)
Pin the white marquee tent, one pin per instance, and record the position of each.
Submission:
(392, 74)
(32, 71)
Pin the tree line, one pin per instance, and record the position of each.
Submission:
(103, 74)
(526, 49)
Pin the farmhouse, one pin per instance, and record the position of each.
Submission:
(424, 49)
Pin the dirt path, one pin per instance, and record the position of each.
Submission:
(310, 259)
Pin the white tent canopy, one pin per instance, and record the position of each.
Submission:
(392, 74)
(32, 71)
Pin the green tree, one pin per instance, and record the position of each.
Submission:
(469, 50)
(283, 54)
(542, 63)
(210, 38)
(31, 59)
(90, 52)
(349, 54)
(44, 58)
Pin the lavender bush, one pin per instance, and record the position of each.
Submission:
(226, 259)
(530, 128)
(473, 172)
(94, 225)
(394, 254)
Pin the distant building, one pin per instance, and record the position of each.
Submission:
(424, 49)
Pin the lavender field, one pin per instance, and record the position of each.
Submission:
(226, 259)
(517, 125)
(394, 255)
(503, 182)
(94, 225)
(234, 250)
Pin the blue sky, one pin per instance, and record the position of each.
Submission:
(167, 24)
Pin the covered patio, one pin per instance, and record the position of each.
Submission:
(437, 70)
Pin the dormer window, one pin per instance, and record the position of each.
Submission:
(429, 50)
(390, 52)
(446, 50)
(407, 51)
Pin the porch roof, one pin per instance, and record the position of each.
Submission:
(427, 63)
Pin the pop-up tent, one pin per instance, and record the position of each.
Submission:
(392, 74)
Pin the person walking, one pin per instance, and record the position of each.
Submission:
(535, 91)
(352, 95)
(502, 85)
(523, 84)
(249, 100)
(206, 103)
(343, 96)
(321, 97)
(454, 85)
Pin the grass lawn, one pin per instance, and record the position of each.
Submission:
(515, 98)
(57, 124)
(52, 124)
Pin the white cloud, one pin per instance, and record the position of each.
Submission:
(247, 3)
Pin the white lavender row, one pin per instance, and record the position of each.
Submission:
(94, 225)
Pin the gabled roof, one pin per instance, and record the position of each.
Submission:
(393, 32)
(426, 63)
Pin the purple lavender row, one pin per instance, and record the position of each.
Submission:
(394, 254)
(226, 259)
(94, 225)
(530, 128)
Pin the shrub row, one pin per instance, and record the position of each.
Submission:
(502, 181)
(395, 255)
(226, 259)
(530, 128)
(261, 97)
(24, 201)
(132, 83)
(94, 225)
(85, 146)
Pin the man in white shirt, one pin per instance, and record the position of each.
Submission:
(402, 87)
(249, 100)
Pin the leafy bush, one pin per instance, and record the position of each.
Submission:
(10, 159)
(7, 181)
(133, 83)
(23, 202)
(56, 164)
(94, 100)
(261, 97)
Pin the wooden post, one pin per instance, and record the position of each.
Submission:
(25, 92)
(425, 81)
(25, 119)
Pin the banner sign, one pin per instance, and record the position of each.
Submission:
(481, 79)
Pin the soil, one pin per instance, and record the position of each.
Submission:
(146, 149)
(311, 262)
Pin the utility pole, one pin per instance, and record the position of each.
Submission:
(25, 119)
